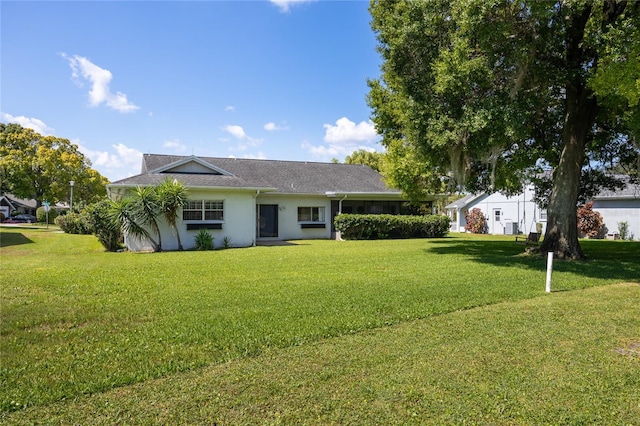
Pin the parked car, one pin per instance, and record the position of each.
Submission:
(22, 218)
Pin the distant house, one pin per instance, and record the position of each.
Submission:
(249, 201)
(520, 214)
(620, 206)
(505, 214)
(10, 204)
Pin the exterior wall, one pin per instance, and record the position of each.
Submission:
(288, 226)
(519, 210)
(238, 224)
(623, 210)
(241, 216)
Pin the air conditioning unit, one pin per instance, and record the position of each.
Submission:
(510, 228)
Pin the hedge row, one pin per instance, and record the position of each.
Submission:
(381, 226)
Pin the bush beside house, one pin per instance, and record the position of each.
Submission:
(476, 222)
(381, 226)
(590, 222)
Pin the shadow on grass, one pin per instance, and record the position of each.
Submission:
(13, 239)
(618, 260)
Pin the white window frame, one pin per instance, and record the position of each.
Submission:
(543, 215)
(208, 210)
(316, 214)
(497, 215)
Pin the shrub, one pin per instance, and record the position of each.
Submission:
(74, 223)
(380, 226)
(204, 240)
(589, 221)
(623, 230)
(226, 243)
(104, 227)
(2, 217)
(476, 222)
(41, 215)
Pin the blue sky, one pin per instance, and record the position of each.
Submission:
(282, 80)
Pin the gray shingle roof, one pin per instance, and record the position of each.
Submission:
(630, 190)
(289, 177)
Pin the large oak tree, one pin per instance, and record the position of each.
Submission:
(489, 93)
(39, 167)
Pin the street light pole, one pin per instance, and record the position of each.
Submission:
(71, 198)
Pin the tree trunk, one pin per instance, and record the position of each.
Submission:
(561, 236)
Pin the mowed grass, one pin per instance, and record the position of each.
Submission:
(317, 332)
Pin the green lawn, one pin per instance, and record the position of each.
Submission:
(404, 331)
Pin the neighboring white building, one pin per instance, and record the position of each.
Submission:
(249, 201)
(506, 215)
(519, 214)
(620, 206)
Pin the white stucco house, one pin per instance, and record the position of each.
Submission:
(620, 206)
(519, 214)
(508, 215)
(249, 201)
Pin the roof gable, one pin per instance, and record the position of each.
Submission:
(191, 165)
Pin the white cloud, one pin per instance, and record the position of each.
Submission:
(244, 141)
(83, 70)
(344, 138)
(235, 131)
(346, 131)
(259, 156)
(119, 163)
(28, 122)
(128, 155)
(273, 127)
(230, 108)
(175, 145)
(285, 5)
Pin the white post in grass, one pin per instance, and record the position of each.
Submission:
(549, 269)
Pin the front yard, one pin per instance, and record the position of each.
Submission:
(425, 331)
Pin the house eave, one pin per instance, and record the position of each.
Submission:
(364, 195)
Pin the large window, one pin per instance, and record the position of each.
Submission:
(310, 214)
(203, 210)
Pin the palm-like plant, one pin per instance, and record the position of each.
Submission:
(123, 212)
(146, 209)
(172, 196)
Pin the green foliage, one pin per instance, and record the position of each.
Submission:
(623, 230)
(146, 209)
(590, 222)
(2, 217)
(484, 95)
(226, 242)
(146, 205)
(42, 215)
(476, 222)
(404, 167)
(104, 227)
(124, 212)
(172, 196)
(40, 167)
(368, 158)
(74, 223)
(382, 226)
(204, 240)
